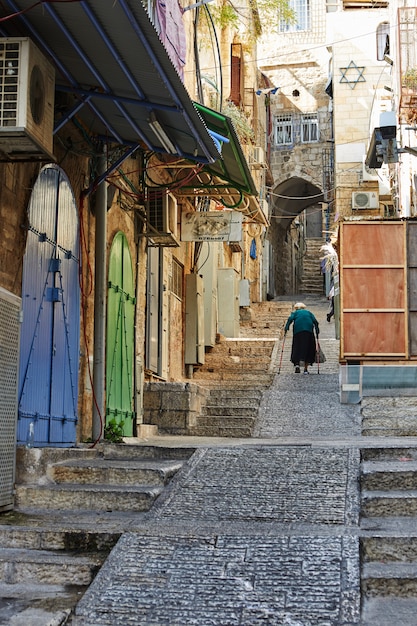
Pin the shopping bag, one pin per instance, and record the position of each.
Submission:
(320, 356)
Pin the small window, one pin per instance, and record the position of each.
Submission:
(309, 128)
(302, 21)
(176, 279)
(382, 41)
(283, 130)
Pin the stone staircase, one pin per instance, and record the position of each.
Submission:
(312, 278)
(389, 416)
(237, 370)
(389, 534)
(389, 512)
(71, 506)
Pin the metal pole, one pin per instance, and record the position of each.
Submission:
(100, 283)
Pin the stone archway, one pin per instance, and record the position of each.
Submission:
(288, 234)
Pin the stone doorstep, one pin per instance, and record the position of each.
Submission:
(44, 567)
(389, 504)
(113, 472)
(86, 497)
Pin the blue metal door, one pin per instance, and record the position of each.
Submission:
(49, 348)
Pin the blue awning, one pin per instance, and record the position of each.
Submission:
(109, 57)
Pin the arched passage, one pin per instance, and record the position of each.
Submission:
(292, 198)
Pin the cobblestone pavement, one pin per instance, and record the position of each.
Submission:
(263, 531)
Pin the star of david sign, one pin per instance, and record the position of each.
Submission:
(355, 73)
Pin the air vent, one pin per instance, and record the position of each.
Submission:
(257, 157)
(27, 87)
(365, 200)
(162, 217)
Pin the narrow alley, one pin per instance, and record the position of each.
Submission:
(306, 523)
(254, 531)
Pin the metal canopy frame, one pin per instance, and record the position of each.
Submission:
(109, 56)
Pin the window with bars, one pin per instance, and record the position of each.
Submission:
(283, 130)
(309, 128)
(177, 279)
(302, 11)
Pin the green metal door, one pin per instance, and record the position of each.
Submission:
(120, 337)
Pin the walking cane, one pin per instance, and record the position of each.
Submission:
(282, 352)
(318, 354)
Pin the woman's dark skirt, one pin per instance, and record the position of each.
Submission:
(303, 348)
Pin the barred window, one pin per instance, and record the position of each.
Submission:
(283, 130)
(309, 128)
(176, 279)
(302, 21)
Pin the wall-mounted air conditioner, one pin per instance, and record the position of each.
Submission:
(162, 218)
(365, 200)
(27, 88)
(257, 157)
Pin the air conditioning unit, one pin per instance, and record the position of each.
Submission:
(27, 88)
(365, 200)
(257, 157)
(162, 218)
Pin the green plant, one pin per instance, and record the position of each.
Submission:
(243, 129)
(264, 14)
(113, 431)
(410, 78)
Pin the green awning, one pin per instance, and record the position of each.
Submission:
(232, 167)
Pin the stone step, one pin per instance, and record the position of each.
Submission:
(38, 605)
(392, 503)
(86, 497)
(386, 548)
(389, 579)
(35, 533)
(235, 397)
(389, 454)
(114, 471)
(241, 432)
(45, 567)
(382, 406)
(135, 451)
(380, 427)
(380, 611)
(393, 475)
(225, 421)
(230, 411)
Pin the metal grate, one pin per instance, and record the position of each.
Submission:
(9, 358)
(9, 83)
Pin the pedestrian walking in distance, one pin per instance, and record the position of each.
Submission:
(303, 349)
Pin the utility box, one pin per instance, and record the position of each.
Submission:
(228, 302)
(194, 320)
(10, 308)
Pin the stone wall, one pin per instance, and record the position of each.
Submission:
(173, 407)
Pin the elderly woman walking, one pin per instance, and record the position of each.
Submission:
(303, 348)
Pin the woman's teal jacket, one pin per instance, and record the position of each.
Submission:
(303, 320)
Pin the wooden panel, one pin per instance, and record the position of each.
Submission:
(412, 243)
(374, 334)
(373, 290)
(376, 288)
(367, 243)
